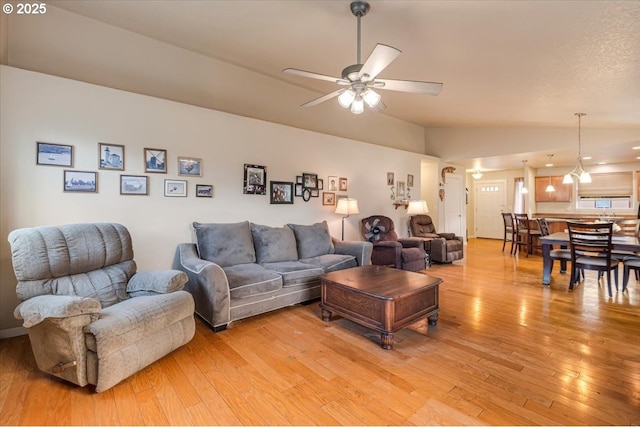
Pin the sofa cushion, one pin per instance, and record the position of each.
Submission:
(246, 280)
(295, 273)
(332, 262)
(225, 244)
(274, 244)
(313, 240)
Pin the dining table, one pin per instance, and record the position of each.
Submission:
(618, 242)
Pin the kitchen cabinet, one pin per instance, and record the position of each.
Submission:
(562, 193)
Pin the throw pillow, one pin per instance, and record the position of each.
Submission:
(225, 244)
(313, 240)
(274, 244)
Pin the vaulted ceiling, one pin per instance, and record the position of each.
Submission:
(504, 64)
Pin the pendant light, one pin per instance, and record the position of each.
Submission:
(524, 190)
(582, 175)
(550, 188)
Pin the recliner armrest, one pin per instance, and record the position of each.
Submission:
(157, 282)
(412, 242)
(35, 310)
(447, 236)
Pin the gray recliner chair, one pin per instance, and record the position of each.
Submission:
(443, 248)
(91, 318)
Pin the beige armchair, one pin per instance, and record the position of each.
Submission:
(91, 318)
(442, 247)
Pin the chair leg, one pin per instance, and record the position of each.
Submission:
(609, 283)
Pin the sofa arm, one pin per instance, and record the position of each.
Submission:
(360, 250)
(412, 242)
(156, 282)
(208, 284)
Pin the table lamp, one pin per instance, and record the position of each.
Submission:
(417, 207)
(346, 207)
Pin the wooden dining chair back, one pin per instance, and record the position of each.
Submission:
(591, 250)
(509, 230)
(524, 233)
(556, 254)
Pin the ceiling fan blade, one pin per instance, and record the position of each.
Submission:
(323, 98)
(381, 56)
(427, 88)
(309, 74)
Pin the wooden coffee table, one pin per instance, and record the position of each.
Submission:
(381, 298)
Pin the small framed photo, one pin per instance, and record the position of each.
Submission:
(189, 166)
(155, 160)
(110, 156)
(281, 192)
(400, 191)
(299, 179)
(343, 184)
(328, 199)
(409, 180)
(332, 183)
(390, 179)
(136, 185)
(298, 189)
(54, 154)
(255, 179)
(80, 181)
(315, 192)
(320, 184)
(204, 190)
(310, 180)
(175, 188)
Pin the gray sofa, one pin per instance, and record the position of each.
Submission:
(242, 269)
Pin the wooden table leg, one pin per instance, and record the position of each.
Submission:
(326, 315)
(546, 264)
(433, 319)
(386, 340)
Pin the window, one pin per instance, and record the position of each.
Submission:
(612, 190)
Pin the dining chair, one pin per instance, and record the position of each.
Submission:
(561, 254)
(524, 233)
(591, 250)
(509, 230)
(630, 263)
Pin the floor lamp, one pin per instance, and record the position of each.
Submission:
(346, 207)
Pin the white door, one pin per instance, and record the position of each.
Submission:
(490, 202)
(453, 205)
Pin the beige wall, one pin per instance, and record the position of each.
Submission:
(38, 107)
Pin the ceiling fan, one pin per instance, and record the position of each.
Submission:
(360, 79)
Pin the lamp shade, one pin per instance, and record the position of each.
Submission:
(347, 206)
(417, 207)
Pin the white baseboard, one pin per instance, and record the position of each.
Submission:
(13, 332)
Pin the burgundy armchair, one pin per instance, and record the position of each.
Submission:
(388, 249)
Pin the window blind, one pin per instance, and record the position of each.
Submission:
(613, 184)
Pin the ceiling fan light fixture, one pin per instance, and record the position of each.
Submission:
(346, 98)
(357, 106)
(371, 97)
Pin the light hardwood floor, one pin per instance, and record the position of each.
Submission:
(506, 351)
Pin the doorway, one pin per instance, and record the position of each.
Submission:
(490, 202)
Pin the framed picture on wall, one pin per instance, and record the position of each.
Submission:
(155, 160)
(298, 190)
(175, 188)
(281, 192)
(204, 190)
(110, 156)
(54, 154)
(332, 183)
(310, 180)
(137, 185)
(255, 179)
(328, 198)
(343, 184)
(400, 192)
(189, 166)
(409, 180)
(80, 181)
(390, 179)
